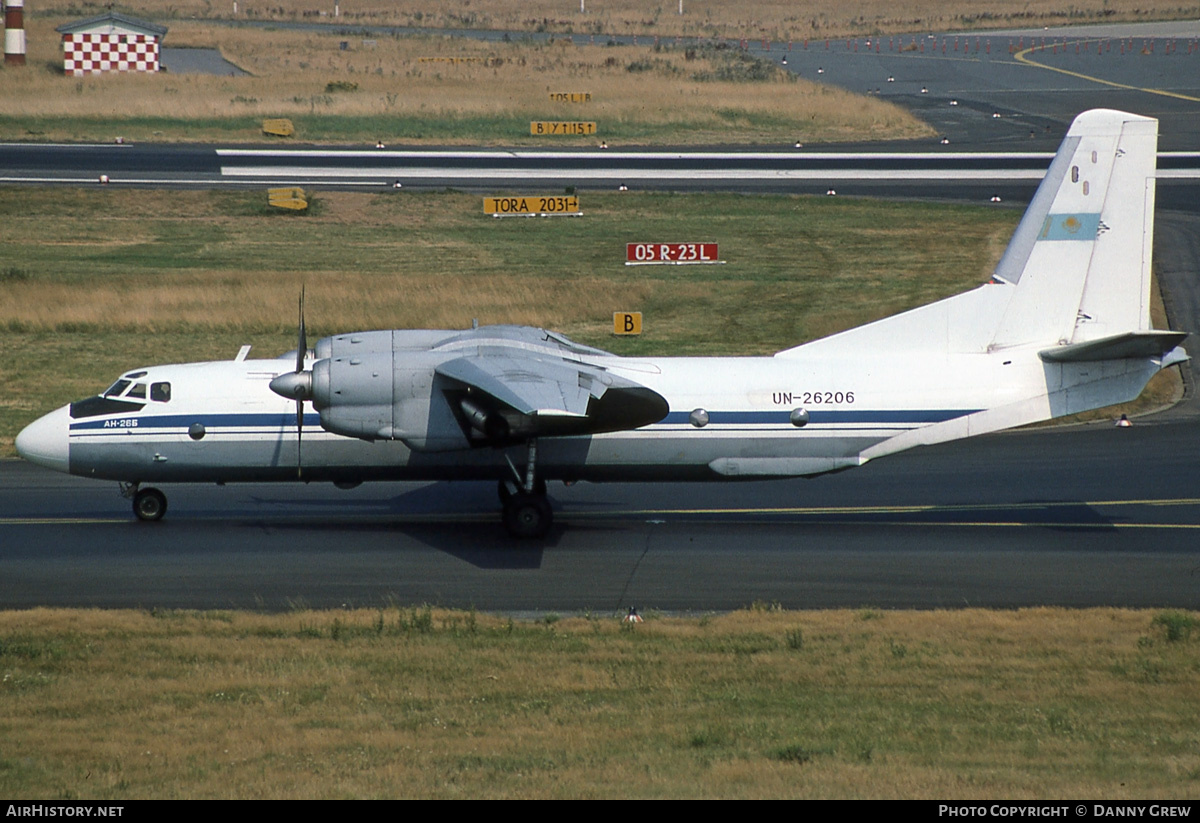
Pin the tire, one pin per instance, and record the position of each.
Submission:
(528, 516)
(149, 505)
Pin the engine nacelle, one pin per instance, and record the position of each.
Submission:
(387, 396)
(437, 390)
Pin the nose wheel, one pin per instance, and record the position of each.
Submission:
(149, 504)
(526, 511)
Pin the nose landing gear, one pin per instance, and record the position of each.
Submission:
(149, 504)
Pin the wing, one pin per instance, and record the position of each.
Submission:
(537, 395)
(528, 385)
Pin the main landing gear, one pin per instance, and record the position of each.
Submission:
(148, 504)
(527, 512)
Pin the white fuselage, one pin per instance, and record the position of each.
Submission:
(223, 423)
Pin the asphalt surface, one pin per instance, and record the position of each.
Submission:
(197, 61)
(1094, 516)
(1082, 516)
(1035, 80)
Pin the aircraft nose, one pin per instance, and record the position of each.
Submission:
(44, 441)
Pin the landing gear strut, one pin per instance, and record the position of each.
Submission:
(149, 504)
(527, 512)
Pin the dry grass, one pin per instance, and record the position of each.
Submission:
(1041, 703)
(779, 19)
(161, 262)
(489, 98)
(227, 301)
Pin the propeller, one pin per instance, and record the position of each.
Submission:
(298, 385)
(301, 350)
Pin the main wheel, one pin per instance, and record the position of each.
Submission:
(527, 516)
(149, 504)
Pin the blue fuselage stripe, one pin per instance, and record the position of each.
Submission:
(721, 418)
(182, 421)
(831, 416)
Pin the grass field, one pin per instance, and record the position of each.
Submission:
(340, 84)
(437, 89)
(416, 702)
(779, 19)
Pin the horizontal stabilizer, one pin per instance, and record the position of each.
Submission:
(1147, 343)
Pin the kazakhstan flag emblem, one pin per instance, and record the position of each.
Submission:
(1070, 227)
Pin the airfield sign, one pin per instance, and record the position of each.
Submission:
(670, 254)
(561, 127)
(532, 206)
(627, 322)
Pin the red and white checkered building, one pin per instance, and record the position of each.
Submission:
(110, 42)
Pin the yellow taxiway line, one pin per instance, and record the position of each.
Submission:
(1021, 57)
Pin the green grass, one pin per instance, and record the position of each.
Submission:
(420, 702)
(507, 130)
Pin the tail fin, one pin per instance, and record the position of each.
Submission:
(1074, 282)
(1080, 258)
(1064, 324)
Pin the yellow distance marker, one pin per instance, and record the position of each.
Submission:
(537, 204)
(627, 322)
(562, 127)
(288, 198)
(279, 126)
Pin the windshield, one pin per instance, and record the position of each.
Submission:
(117, 388)
(159, 392)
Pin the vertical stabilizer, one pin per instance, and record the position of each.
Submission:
(1080, 258)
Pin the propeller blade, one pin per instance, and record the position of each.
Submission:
(301, 350)
(302, 343)
(299, 437)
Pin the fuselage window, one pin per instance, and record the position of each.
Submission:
(138, 391)
(160, 392)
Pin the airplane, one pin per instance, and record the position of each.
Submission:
(1062, 326)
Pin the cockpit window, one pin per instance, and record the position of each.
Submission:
(138, 391)
(117, 389)
(160, 392)
(96, 406)
(135, 375)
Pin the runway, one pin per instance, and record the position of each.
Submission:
(1083, 516)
